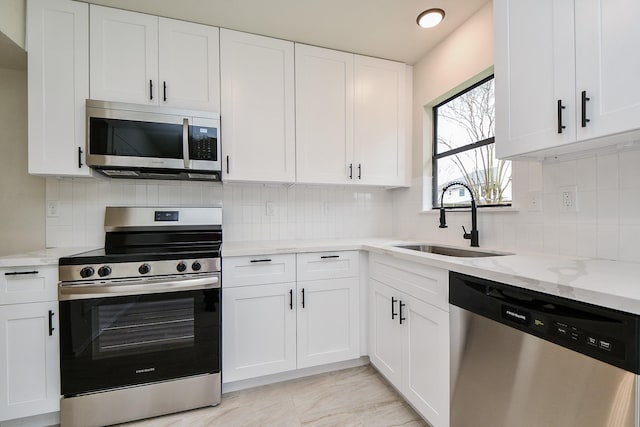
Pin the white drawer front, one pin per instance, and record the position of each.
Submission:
(423, 282)
(258, 270)
(35, 283)
(328, 265)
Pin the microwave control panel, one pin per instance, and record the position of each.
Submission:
(203, 143)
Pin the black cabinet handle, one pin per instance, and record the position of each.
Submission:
(51, 328)
(151, 90)
(261, 260)
(79, 157)
(393, 306)
(290, 299)
(584, 109)
(401, 316)
(329, 256)
(302, 297)
(350, 170)
(21, 273)
(164, 91)
(560, 108)
(227, 165)
(359, 171)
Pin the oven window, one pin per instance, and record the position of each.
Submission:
(141, 327)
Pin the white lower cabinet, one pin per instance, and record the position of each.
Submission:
(409, 333)
(30, 379)
(328, 321)
(259, 330)
(277, 327)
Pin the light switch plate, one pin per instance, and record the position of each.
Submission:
(53, 206)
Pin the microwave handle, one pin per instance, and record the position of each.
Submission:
(185, 142)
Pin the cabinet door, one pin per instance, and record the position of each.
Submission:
(257, 107)
(379, 121)
(189, 65)
(328, 321)
(385, 339)
(324, 115)
(29, 360)
(58, 79)
(425, 381)
(258, 331)
(124, 56)
(534, 69)
(608, 66)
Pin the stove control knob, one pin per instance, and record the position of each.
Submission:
(196, 266)
(105, 270)
(181, 266)
(144, 269)
(86, 272)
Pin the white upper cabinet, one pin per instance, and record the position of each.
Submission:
(58, 81)
(379, 122)
(564, 75)
(144, 59)
(124, 56)
(534, 69)
(608, 66)
(257, 108)
(324, 115)
(189, 75)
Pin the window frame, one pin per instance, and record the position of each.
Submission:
(435, 156)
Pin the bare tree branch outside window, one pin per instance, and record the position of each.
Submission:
(465, 148)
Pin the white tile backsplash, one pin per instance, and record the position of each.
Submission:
(298, 211)
(606, 224)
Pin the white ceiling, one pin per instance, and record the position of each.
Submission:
(382, 28)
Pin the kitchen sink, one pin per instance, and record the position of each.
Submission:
(450, 251)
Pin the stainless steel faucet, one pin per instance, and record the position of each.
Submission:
(473, 236)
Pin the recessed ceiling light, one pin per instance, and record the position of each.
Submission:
(430, 18)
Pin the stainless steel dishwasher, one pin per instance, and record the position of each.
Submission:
(522, 358)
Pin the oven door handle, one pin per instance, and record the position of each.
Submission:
(114, 289)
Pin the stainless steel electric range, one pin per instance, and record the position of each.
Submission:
(140, 320)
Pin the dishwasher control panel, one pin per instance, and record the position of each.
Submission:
(605, 334)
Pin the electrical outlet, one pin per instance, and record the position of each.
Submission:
(269, 209)
(53, 206)
(534, 201)
(568, 199)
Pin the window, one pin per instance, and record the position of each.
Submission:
(464, 149)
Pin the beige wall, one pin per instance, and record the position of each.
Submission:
(12, 20)
(461, 57)
(22, 209)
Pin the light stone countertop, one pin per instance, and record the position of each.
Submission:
(40, 257)
(613, 284)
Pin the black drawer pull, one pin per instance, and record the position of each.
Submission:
(261, 260)
(585, 98)
(291, 299)
(151, 90)
(393, 304)
(51, 328)
(560, 108)
(329, 256)
(302, 297)
(401, 316)
(21, 273)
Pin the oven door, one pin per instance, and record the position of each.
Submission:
(109, 340)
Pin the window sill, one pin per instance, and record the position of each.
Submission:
(495, 209)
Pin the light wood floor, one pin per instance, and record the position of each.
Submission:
(352, 397)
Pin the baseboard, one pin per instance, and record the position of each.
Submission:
(50, 419)
(292, 375)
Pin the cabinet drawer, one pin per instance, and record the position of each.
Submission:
(426, 283)
(258, 270)
(328, 265)
(34, 283)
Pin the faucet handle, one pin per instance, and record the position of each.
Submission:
(466, 235)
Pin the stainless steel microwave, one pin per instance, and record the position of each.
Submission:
(143, 141)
